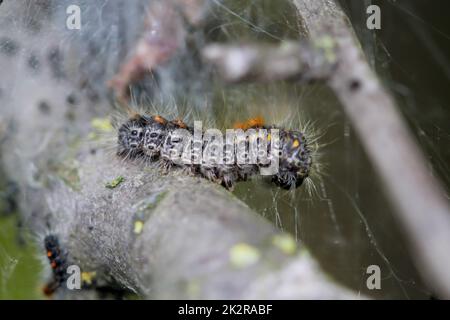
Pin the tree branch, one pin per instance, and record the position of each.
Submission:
(423, 210)
(290, 60)
(179, 237)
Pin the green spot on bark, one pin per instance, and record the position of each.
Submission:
(114, 183)
(304, 253)
(144, 209)
(102, 124)
(328, 45)
(138, 226)
(285, 243)
(66, 167)
(68, 173)
(244, 255)
(148, 204)
(155, 200)
(193, 288)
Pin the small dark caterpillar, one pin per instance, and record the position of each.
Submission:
(153, 138)
(58, 262)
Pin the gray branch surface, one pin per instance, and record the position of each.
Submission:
(179, 237)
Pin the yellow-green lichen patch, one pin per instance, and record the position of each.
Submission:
(153, 202)
(92, 136)
(148, 204)
(102, 124)
(88, 277)
(193, 288)
(68, 173)
(114, 183)
(66, 167)
(244, 255)
(143, 210)
(304, 253)
(328, 45)
(285, 243)
(138, 226)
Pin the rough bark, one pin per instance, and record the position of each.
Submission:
(197, 239)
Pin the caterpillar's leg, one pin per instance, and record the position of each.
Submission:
(287, 180)
(210, 174)
(228, 181)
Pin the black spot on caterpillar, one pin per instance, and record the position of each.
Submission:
(154, 138)
(58, 262)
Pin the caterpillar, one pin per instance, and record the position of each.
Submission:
(58, 262)
(154, 138)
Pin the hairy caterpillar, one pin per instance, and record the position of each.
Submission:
(58, 258)
(154, 138)
(58, 262)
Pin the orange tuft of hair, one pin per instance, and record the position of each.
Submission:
(160, 119)
(256, 122)
(179, 123)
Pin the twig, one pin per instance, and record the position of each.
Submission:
(255, 62)
(164, 34)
